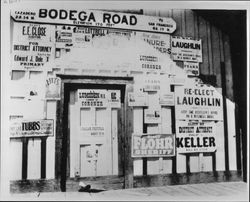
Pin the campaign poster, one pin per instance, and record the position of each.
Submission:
(195, 137)
(153, 145)
(92, 98)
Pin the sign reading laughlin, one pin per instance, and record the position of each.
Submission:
(95, 18)
(145, 145)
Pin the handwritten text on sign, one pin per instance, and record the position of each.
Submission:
(95, 18)
(195, 137)
(144, 145)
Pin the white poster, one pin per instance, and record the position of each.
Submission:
(33, 56)
(114, 98)
(92, 98)
(31, 128)
(198, 103)
(191, 68)
(32, 32)
(167, 99)
(94, 131)
(192, 137)
(161, 42)
(95, 18)
(152, 116)
(53, 88)
(186, 49)
(137, 99)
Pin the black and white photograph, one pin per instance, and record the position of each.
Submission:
(124, 100)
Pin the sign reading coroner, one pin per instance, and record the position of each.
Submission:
(155, 145)
(94, 18)
(31, 128)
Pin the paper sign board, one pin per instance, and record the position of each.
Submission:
(152, 116)
(192, 137)
(92, 98)
(191, 68)
(167, 99)
(92, 130)
(31, 55)
(137, 99)
(32, 32)
(94, 18)
(31, 128)
(198, 103)
(158, 145)
(53, 88)
(184, 49)
(114, 98)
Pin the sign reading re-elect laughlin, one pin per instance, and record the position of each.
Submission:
(95, 18)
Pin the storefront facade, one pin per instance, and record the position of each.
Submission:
(119, 100)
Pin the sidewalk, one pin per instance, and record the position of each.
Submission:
(223, 191)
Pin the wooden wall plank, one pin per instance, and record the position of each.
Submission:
(231, 135)
(34, 158)
(210, 51)
(138, 128)
(228, 68)
(202, 26)
(215, 38)
(15, 159)
(128, 161)
(177, 17)
(189, 23)
(50, 157)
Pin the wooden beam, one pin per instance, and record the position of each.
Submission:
(224, 90)
(43, 157)
(24, 157)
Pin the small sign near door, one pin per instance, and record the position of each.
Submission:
(93, 130)
(92, 98)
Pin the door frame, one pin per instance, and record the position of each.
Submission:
(62, 145)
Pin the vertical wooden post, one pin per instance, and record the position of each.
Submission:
(223, 78)
(24, 158)
(128, 140)
(144, 159)
(43, 157)
(174, 162)
(238, 138)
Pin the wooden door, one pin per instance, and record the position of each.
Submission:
(93, 133)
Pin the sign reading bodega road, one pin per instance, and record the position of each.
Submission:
(158, 145)
(95, 18)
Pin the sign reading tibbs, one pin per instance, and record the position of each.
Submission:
(95, 18)
(31, 128)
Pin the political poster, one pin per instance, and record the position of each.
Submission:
(186, 49)
(191, 68)
(153, 145)
(198, 103)
(31, 128)
(33, 56)
(32, 32)
(92, 98)
(137, 99)
(152, 116)
(94, 131)
(161, 42)
(114, 98)
(167, 99)
(192, 137)
(53, 88)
